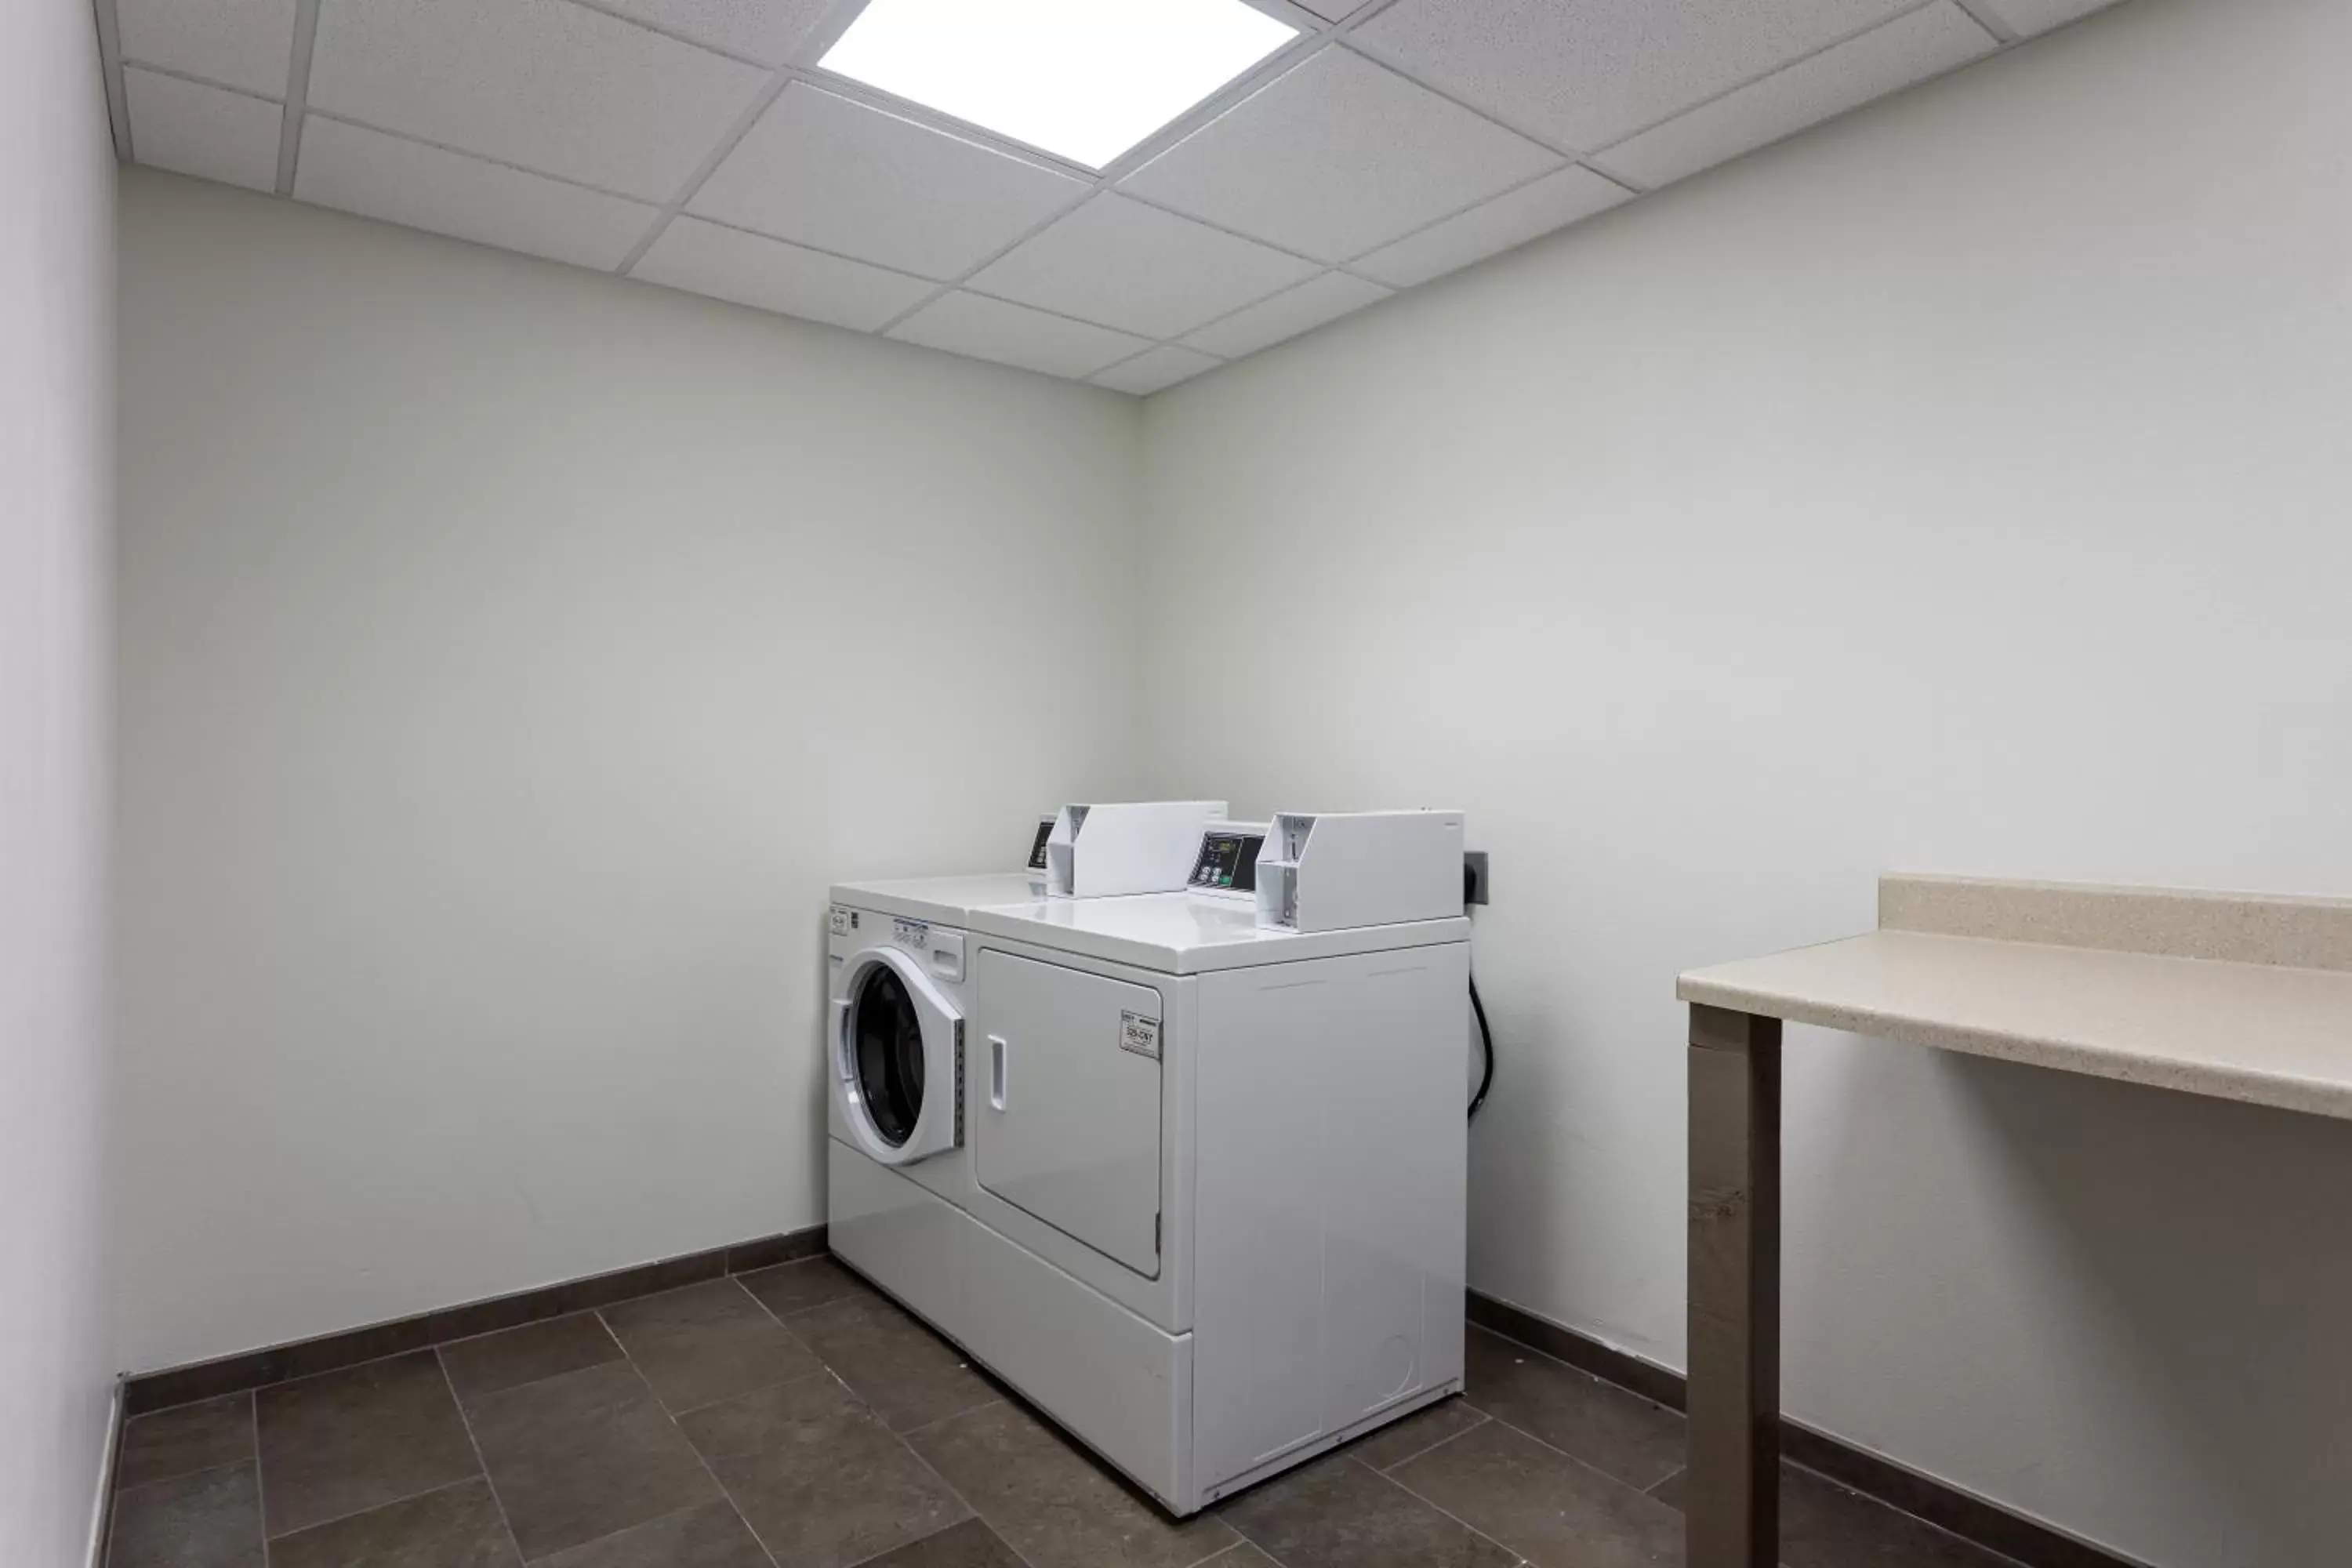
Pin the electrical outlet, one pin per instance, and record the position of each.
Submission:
(1474, 877)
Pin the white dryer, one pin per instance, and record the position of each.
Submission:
(1212, 1218)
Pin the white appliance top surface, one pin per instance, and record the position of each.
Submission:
(1181, 933)
(949, 900)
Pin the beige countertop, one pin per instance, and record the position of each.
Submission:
(2071, 995)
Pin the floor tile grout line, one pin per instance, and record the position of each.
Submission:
(1431, 1447)
(1517, 1555)
(680, 1415)
(466, 1422)
(261, 1388)
(1651, 1489)
(260, 1492)
(953, 1490)
(1230, 1547)
(388, 1502)
(1541, 1443)
(726, 1495)
(435, 1345)
(253, 1459)
(953, 1415)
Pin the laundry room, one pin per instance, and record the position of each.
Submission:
(1175, 783)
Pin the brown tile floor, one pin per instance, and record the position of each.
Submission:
(792, 1418)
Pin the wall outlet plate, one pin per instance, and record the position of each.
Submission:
(1474, 876)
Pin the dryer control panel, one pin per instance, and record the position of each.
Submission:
(1228, 859)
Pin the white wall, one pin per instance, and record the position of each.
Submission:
(512, 655)
(57, 501)
(1962, 487)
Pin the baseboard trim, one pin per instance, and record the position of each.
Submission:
(1973, 1519)
(258, 1369)
(101, 1521)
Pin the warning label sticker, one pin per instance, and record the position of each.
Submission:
(1139, 1035)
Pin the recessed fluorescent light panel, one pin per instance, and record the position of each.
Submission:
(1083, 80)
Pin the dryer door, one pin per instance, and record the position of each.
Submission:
(897, 1051)
(1069, 1113)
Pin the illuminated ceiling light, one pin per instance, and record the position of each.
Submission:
(1083, 80)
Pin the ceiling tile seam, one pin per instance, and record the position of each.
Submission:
(1991, 20)
(311, 111)
(1906, 13)
(109, 70)
(192, 78)
(298, 91)
(1154, 349)
(822, 37)
(734, 134)
(1556, 148)
(1156, 206)
(1290, 57)
(1157, 339)
(1254, 304)
(1629, 187)
(766, 238)
(1997, 49)
(605, 8)
(800, 68)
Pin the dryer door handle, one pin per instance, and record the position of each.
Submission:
(843, 1061)
(997, 1072)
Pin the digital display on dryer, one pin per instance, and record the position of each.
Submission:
(1037, 846)
(1228, 862)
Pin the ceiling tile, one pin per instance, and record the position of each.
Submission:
(208, 131)
(1155, 370)
(1137, 269)
(1512, 218)
(1589, 72)
(1885, 60)
(1288, 314)
(763, 30)
(1332, 10)
(404, 182)
(2027, 18)
(769, 275)
(543, 84)
(824, 171)
(1336, 157)
(1013, 334)
(238, 42)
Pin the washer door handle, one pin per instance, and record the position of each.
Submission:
(841, 1059)
(996, 1071)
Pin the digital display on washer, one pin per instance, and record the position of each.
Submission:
(1037, 849)
(1228, 861)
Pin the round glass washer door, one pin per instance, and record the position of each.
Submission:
(896, 1038)
(886, 1053)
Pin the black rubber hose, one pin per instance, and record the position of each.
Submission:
(1487, 1037)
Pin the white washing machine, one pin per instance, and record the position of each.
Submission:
(895, 1020)
(1211, 1214)
(895, 1043)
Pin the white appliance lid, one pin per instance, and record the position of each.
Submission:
(1179, 933)
(946, 900)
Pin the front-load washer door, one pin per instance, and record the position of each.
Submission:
(897, 1058)
(1069, 1119)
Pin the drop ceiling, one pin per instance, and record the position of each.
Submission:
(696, 144)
